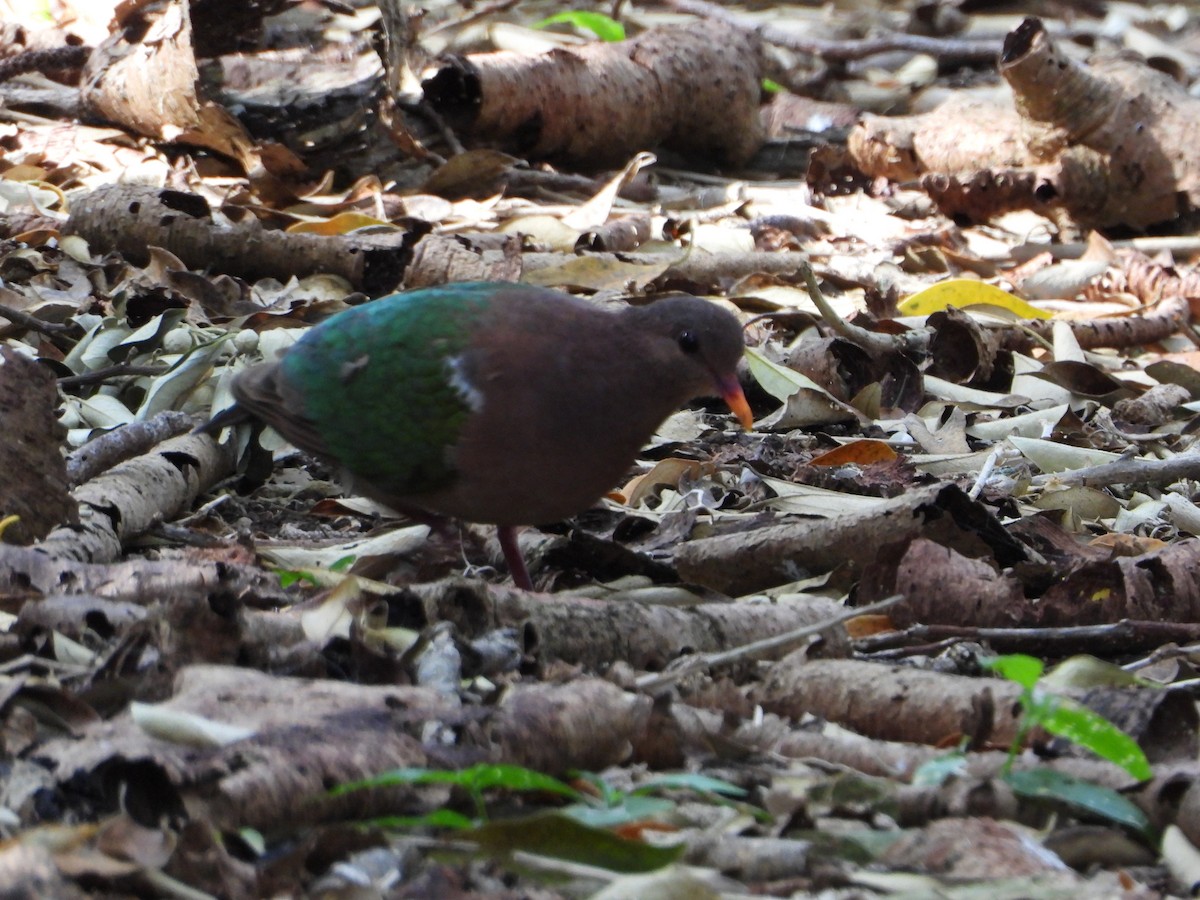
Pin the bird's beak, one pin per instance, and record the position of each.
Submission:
(731, 393)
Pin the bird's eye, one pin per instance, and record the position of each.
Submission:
(688, 342)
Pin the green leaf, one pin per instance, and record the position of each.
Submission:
(777, 380)
(561, 837)
(1024, 670)
(1045, 783)
(699, 783)
(771, 87)
(1081, 726)
(604, 27)
(938, 769)
(288, 577)
(475, 779)
(513, 778)
(253, 839)
(633, 809)
(439, 818)
(343, 564)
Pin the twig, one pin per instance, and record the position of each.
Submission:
(945, 50)
(686, 665)
(870, 341)
(1125, 636)
(985, 472)
(425, 109)
(1179, 245)
(97, 376)
(474, 15)
(101, 454)
(1128, 471)
(33, 323)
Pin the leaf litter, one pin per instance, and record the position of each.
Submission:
(973, 437)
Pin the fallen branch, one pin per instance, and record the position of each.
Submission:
(948, 51)
(134, 495)
(1133, 471)
(126, 442)
(131, 218)
(1110, 143)
(688, 88)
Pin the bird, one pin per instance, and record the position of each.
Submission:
(489, 402)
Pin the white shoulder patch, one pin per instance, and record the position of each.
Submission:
(456, 368)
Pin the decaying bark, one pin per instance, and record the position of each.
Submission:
(960, 137)
(942, 586)
(585, 724)
(131, 218)
(690, 88)
(29, 569)
(441, 258)
(149, 86)
(1162, 585)
(302, 737)
(1156, 324)
(594, 633)
(748, 561)
(1113, 143)
(891, 703)
(927, 707)
(1119, 141)
(34, 486)
(1171, 797)
(647, 637)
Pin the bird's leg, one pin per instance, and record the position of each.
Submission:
(512, 556)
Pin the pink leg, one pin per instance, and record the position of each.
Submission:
(512, 556)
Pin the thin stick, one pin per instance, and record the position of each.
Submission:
(686, 665)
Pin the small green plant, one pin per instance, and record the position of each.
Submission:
(601, 806)
(1068, 719)
(474, 781)
(1065, 718)
(580, 831)
(288, 577)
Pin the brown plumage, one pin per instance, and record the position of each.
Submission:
(493, 403)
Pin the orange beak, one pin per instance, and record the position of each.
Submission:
(731, 393)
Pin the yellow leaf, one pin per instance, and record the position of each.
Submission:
(342, 223)
(964, 293)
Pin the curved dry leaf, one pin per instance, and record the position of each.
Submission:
(860, 452)
(397, 542)
(1051, 456)
(598, 273)
(185, 728)
(1062, 281)
(1089, 504)
(972, 399)
(1032, 424)
(1144, 515)
(168, 390)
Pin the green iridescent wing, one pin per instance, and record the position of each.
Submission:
(382, 384)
